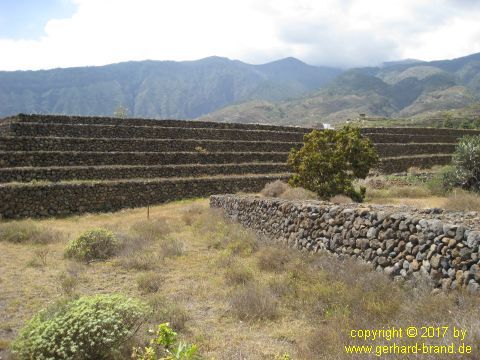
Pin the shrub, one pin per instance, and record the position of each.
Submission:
(171, 247)
(330, 160)
(238, 274)
(87, 328)
(95, 244)
(150, 230)
(68, 282)
(40, 257)
(298, 193)
(274, 188)
(140, 261)
(149, 282)
(165, 310)
(26, 231)
(442, 181)
(466, 161)
(273, 258)
(166, 347)
(253, 302)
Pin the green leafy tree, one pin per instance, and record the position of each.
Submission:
(466, 165)
(330, 160)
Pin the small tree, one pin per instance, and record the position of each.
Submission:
(121, 112)
(330, 160)
(466, 165)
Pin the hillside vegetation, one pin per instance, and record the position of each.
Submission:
(157, 89)
(415, 89)
(286, 91)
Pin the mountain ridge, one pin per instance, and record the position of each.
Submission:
(401, 89)
(157, 89)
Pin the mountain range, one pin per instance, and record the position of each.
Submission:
(157, 89)
(286, 91)
(413, 89)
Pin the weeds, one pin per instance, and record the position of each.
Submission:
(463, 200)
(150, 230)
(191, 213)
(40, 257)
(149, 282)
(274, 189)
(68, 281)
(253, 302)
(237, 274)
(171, 247)
(172, 312)
(27, 231)
(273, 259)
(298, 193)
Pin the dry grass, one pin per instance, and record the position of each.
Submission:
(149, 282)
(237, 274)
(282, 190)
(273, 259)
(289, 302)
(463, 200)
(341, 199)
(274, 189)
(150, 230)
(27, 231)
(165, 310)
(298, 193)
(253, 302)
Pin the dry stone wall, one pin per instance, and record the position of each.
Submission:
(149, 132)
(56, 174)
(140, 145)
(62, 199)
(95, 120)
(403, 242)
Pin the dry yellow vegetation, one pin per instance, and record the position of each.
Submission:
(222, 288)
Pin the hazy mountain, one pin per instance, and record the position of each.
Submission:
(396, 89)
(157, 89)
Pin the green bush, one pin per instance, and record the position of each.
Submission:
(95, 244)
(95, 327)
(166, 347)
(330, 160)
(466, 163)
(442, 181)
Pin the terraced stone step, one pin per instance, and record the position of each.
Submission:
(391, 165)
(421, 131)
(411, 138)
(56, 174)
(99, 120)
(53, 199)
(142, 145)
(157, 132)
(395, 150)
(9, 159)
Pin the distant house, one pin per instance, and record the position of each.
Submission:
(327, 126)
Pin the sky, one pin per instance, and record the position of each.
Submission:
(44, 34)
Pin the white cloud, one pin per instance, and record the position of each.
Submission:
(330, 32)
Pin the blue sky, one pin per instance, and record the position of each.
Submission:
(26, 19)
(45, 34)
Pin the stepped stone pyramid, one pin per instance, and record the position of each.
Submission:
(61, 165)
